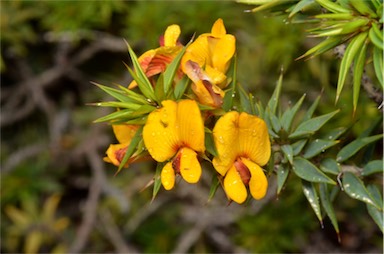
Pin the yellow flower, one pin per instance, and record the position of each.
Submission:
(124, 134)
(176, 131)
(155, 61)
(206, 61)
(243, 146)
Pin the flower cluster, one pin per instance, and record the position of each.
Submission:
(179, 110)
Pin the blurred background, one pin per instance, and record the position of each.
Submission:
(57, 194)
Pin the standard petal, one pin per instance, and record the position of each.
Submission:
(168, 176)
(234, 186)
(218, 28)
(197, 52)
(171, 35)
(223, 52)
(124, 132)
(258, 183)
(225, 136)
(159, 133)
(190, 168)
(253, 139)
(190, 125)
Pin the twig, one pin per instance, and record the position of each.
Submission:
(90, 210)
(22, 154)
(114, 234)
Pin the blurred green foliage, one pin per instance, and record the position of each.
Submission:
(265, 45)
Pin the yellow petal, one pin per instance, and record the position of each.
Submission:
(258, 183)
(216, 77)
(168, 176)
(218, 28)
(197, 52)
(115, 154)
(171, 35)
(190, 168)
(223, 52)
(225, 136)
(190, 125)
(253, 139)
(234, 186)
(159, 133)
(124, 132)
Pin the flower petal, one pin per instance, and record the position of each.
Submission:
(258, 183)
(124, 132)
(171, 35)
(115, 153)
(159, 133)
(190, 125)
(225, 136)
(234, 186)
(197, 52)
(218, 28)
(253, 139)
(190, 168)
(167, 176)
(223, 52)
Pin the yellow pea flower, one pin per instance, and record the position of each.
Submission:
(175, 132)
(206, 61)
(243, 146)
(155, 61)
(124, 134)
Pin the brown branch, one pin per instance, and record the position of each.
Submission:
(90, 209)
(113, 233)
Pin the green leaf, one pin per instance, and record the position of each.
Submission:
(134, 96)
(307, 171)
(230, 93)
(159, 89)
(358, 70)
(373, 167)
(330, 166)
(375, 194)
(376, 36)
(245, 103)
(139, 75)
(210, 144)
(355, 188)
(171, 70)
(131, 148)
(376, 215)
(289, 114)
(274, 100)
(275, 122)
(310, 193)
(267, 5)
(318, 146)
(126, 114)
(363, 8)
(323, 46)
(157, 180)
(378, 65)
(181, 86)
(310, 126)
(115, 93)
(334, 134)
(300, 6)
(215, 183)
(333, 7)
(282, 175)
(352, 148)
(353, 48)
(117, 104)
(298, 146)
(328, 207)
(288, 152)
